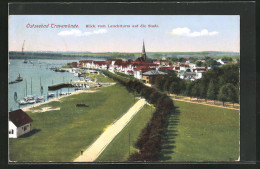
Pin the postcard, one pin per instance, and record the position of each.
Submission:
(124, 88)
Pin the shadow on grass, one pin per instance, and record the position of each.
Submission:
(29, 134)
(168, 141)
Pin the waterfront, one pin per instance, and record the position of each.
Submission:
(36, 73)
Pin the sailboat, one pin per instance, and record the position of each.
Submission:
(19, 78)
(24, 101)
(30, 99)
(25, 60)
(40, 98)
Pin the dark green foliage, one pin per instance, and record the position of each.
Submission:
(212, 90)
(199, 63)
(149, 141)
(228, 92)
(193, 59)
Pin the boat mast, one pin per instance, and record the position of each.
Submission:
(26, 87)
(23, 47)
(31, 85)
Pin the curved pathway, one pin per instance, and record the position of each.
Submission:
(96, 148)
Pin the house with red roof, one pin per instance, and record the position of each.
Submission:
(184, 67)
(161, 62)
(167, 68)
(100, 65)
(19, 123)
(187, 61)
(138, 72)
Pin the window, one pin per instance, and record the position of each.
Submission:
(11, 131)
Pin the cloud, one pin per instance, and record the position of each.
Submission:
(187, 32)
(75, 32)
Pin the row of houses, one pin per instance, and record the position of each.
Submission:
(138, 68)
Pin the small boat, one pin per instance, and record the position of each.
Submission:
(31, 101)
(25, 61)
(29, 97)
(22, 102)
(53, 68)
(19, 78)
(39, 99)
(12, 82)
(63, 93)
(50, 94)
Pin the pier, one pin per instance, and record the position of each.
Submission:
(83, 84)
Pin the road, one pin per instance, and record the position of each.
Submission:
(98, 146)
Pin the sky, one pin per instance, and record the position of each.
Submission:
(172, 33)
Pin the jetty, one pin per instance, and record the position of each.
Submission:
(82, 84)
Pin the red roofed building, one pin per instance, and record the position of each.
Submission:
(100, 65)
(19, 123)
(138, 72)
(167, 68)
(187, 60)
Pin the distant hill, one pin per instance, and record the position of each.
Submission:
(86, 55)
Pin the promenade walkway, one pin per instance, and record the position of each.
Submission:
(203, 102)
(98, 146)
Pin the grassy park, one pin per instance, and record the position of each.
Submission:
(118, 149)
(60, 135)
(201, 133)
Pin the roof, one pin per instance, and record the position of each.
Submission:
(183, 73)
(143, 69)
(19, 118)
(168, 68)
(199, 69)
(100, 62)
(154, 72)
(184, 65)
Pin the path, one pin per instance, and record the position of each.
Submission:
(96, 148)
(203, 103)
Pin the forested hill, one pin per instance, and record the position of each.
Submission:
(150, 55)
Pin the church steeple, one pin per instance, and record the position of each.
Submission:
(143, 51)
(143, 55)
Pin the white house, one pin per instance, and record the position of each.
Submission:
(19, 123)
(184, 67)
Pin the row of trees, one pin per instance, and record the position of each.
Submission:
(219, 83)
(149, 141)
(210, 62)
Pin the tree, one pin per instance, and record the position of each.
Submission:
(189, 89)
(193, 59)
(175, 87)
(199, 63)
(195, 91)
(228, 92)
(182, 60)
(212, 91)
(166, 85)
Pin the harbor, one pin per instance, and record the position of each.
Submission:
(29, 82)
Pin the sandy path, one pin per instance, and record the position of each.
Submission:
(204, 103)
(96, 148)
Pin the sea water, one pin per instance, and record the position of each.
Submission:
(36, 73)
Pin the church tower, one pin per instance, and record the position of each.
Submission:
(143, 55)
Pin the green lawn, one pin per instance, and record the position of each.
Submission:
(201, 133)
(63, 133)
(118, 149)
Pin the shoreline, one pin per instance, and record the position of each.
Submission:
(58, 98)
